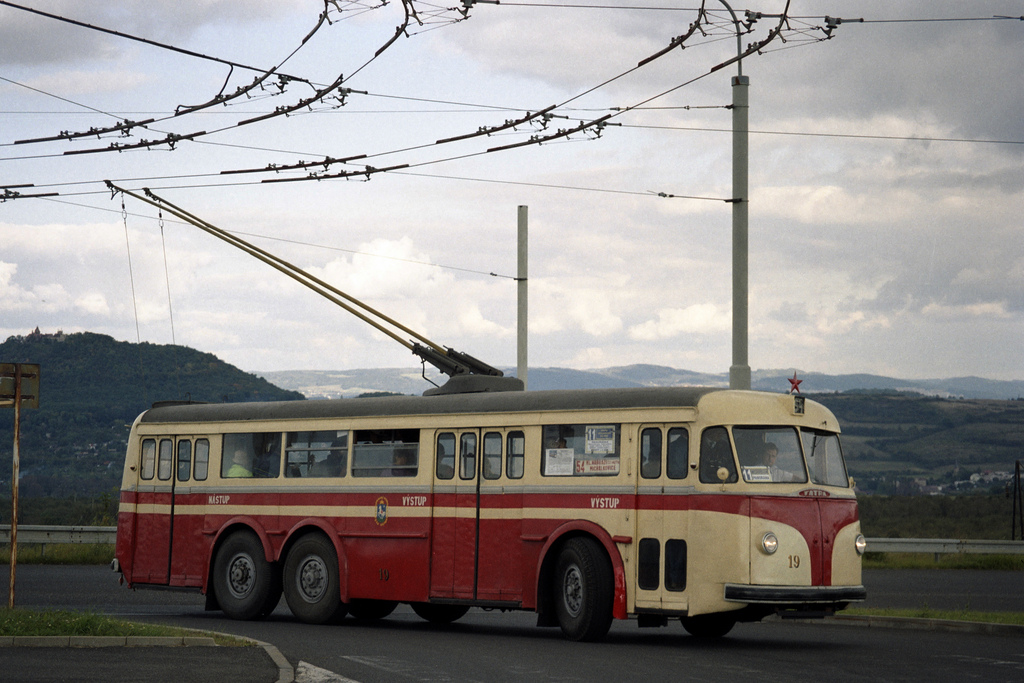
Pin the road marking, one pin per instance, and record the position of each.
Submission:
(307, 673)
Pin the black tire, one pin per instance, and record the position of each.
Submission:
(583, 590)
(708, 625)
(246, 585)
(312, 583)
(371, 610)
(439, 614)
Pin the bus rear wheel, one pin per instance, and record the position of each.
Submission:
(583, 590)
(371, 610)
(312, 586)
(245, 583)
(439, 614)
(708, 625)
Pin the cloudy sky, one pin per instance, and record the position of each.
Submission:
(886, 181)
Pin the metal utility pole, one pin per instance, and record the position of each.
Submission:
(522, 368)
(739, 372)
(19, 384)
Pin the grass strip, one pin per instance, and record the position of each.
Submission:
(60, 553)
(24, 622)
(1013, 618)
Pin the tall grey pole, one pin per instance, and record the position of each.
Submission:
(522, 368)
(739, 371)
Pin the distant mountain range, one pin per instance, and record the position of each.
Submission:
(349, 383)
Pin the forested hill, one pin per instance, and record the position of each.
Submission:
(92, 388)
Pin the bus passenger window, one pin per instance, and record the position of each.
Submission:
(316, 454)
(716, 454)
(445, 456)
(184, 459)
(647, 570)
(515, 449)
(492, 455)
(650, 454)
(678, 453)
(467, 456)
(580, 450)
(163, 472)
(385, 453)
(251, 455)
(202, 463)
(148, 459)
(675, 565)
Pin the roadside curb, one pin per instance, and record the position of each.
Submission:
(285, 671)
(945, 625)
(106, 641)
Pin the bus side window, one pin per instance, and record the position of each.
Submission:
(316, 454)
(678, 453)
(201, 467)
(445, 456)
(163, 471)
(467, 456)
(184, 459)
(148, 458)
(650, 454)
(716, 454)
(251, 455)
(492, 455)
(515, 448)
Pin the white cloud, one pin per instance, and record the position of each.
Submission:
(698, 319)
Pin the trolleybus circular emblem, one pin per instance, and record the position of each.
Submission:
(382, 511)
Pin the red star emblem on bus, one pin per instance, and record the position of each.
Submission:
(794, 384)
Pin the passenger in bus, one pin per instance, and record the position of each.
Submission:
(403, 464)
(771, 454)
(445, 463)
(241, 464)
(330, 466)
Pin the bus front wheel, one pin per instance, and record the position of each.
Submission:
(584, 589)
(245, 583)
(311, 581)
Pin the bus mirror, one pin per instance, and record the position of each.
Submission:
(723, 474)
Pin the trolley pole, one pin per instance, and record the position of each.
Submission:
(522, 368)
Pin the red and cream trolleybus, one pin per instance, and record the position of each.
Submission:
(712, 506)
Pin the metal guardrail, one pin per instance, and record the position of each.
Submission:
(944, 546)
(43, 534)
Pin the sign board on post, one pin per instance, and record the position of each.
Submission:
(19, 386)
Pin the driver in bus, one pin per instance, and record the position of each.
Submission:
(771, 454)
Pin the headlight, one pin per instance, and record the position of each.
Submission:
(860, 543)
(769, 543)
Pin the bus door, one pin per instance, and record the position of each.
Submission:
(191, 466)
(455, 515)
(500, 505)
(152, 552)
(662, 520)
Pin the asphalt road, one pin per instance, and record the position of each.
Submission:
(491, 646)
